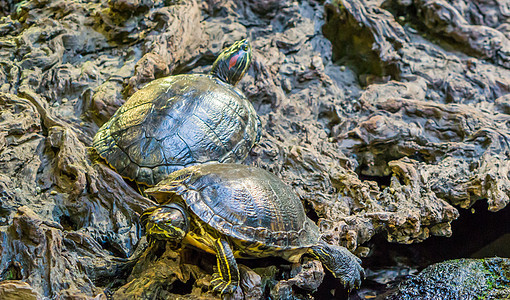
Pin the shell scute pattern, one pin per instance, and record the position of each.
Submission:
(245, 203)
(170, 119)
(200, 140)
(176, 122)
(148, 149)
(145, 174)
(176, 150)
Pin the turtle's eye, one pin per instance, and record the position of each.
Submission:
(244, 47)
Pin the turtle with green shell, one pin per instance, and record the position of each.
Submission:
(238, 211)
(183, 120)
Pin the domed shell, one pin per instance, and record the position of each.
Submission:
(247, 203)
(175, 122)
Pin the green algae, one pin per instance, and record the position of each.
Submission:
(459, 279)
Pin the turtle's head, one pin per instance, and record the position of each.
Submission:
(166, 222)
(233, 62)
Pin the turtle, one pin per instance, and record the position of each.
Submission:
(182, 120)
(239, 211)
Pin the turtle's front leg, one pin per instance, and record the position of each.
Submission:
(226, 280)
(341, 262)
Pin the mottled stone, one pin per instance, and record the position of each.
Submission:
(458, 279)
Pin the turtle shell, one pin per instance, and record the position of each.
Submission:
(175, 122)
(242, 202)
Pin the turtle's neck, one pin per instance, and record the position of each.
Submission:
(218, 70)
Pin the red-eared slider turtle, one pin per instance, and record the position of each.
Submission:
(233, 210)
(182, 120)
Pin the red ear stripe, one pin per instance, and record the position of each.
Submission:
(233, 61)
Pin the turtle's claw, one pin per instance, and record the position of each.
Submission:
(341, 262)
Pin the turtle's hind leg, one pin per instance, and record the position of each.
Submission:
(226, 280)
(341, 262)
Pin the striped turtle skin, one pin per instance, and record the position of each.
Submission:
(238, 211)
(182, 120)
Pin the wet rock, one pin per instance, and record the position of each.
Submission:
(122, 21)
(46, 167)
(307, 276)
(459, 279)
(488, 13)
(468, 127)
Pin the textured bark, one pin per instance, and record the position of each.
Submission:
(382, 116)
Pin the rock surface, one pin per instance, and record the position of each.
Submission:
(382, 115)
(459, 279)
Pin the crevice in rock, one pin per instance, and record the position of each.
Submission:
(330, 118)
(382, 181)
(350, 43)
(477, 222)
(7, 7)
(5, 211)
(475, 229)
(12, 272)
(407, 16)
(112, 247)
(68, 223)
(353, 46)
(182, 288)
(310, 212)
(202, 61)
(331, 288)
